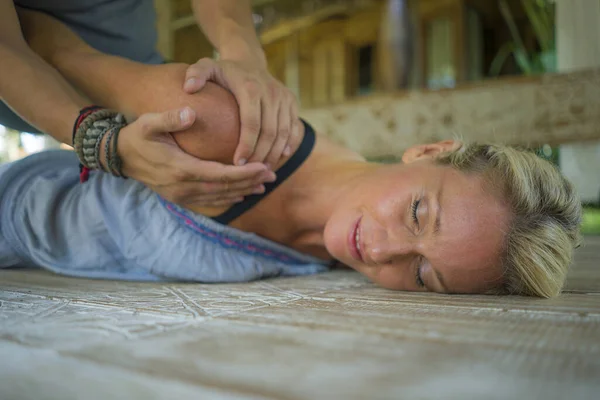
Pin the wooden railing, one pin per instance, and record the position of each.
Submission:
(528, 111)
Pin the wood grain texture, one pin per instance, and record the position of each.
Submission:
(330, 336)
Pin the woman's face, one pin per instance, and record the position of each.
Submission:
(419, 226)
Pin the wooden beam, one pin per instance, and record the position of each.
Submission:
(529, 111)
(189, 20)
(291, 26)
(183, 22)
(280, 30)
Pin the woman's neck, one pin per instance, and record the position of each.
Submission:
(316, 199)
(296, 213)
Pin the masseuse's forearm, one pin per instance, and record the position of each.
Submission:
(137, 89)
(37, 92)
(229, 27)
(120, 84)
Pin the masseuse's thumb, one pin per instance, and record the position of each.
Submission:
(168, 121)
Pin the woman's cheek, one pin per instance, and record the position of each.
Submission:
(387, 277)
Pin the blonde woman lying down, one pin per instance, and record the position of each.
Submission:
(451, 217)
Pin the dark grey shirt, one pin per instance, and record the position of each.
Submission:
(124, 28)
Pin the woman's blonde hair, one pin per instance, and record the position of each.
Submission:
(546, 215)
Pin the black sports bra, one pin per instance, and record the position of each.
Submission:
(283, 173)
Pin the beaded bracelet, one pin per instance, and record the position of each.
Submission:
(90, 128)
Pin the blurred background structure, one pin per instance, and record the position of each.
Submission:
(334, 50)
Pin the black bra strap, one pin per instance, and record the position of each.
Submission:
(283, 173)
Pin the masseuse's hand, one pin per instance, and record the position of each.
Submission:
(151, 155)
(268, 110)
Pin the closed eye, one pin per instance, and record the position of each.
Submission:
(418, 278)
(414, 209)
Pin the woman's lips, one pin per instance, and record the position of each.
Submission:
(353, 246)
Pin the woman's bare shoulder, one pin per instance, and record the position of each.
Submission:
(215, 134)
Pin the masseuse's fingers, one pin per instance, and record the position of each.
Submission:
(144, 143)
(240, 188)
(251, 120)
(217, 193)
(285, 126)
(168, 121)
(211, 190)
(224, 197)
(248, 92)
(192, 169)
(151, 155)
(268, 132)
(210, 183)
(277, 105)
(264, 129)
(199, 73)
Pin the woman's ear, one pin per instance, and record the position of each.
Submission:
(432, 150)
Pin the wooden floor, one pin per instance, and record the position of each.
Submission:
(332, 336)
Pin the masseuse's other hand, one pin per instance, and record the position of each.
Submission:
(268, 110)
(151, 155)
